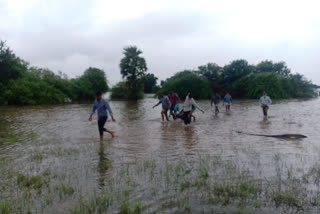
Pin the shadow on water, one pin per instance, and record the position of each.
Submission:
(104, 164)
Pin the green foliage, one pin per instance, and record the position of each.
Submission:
(187, 81)
(21, 85)
(89, 83)
(150, 83)
(235, 70)
(122, 91)
(35, 181)
(11, 66)
(133, 68)
(249, 81)
(268, 66)
(253, 86)
(302, 87)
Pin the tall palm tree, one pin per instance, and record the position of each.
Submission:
(133, 67)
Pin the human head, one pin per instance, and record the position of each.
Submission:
(190, 95)
(98, 95)
(265, 93)
(171, 92)
(161, 95)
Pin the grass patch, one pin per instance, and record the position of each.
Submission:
(36, 156)
(4, 208)
(65, 190)
(33, 181)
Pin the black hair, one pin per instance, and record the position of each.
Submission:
(190, 95)
(98, 93)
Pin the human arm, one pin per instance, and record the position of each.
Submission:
(196, 105)
(94, 108)
(110, 111)
(157, 104)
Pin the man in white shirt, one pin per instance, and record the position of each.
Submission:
(265, 101)
(189, 107)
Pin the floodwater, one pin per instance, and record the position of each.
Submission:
(61, 140)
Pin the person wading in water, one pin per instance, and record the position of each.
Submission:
(215, 99)
(189, 107)
(227, 101)
(102, 106)
(174, 98)
(164, 100)
(265, 101)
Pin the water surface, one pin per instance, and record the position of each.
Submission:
(60, 139)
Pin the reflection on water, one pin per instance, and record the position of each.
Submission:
(70, 147)
(103, 165)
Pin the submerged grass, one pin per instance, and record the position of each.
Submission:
(205, 184)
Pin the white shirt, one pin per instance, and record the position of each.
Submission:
(265, 100)
(187, 106)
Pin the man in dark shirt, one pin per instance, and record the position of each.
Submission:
(215, 99)
(102, 106)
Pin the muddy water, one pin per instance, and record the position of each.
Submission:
(70, 149)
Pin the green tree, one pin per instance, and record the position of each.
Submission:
(11, 66)
(212, 72)
(133, 67)
(89, 83)
(187, 81)
(149, 82)
(302, 87)
(268, 66)
(235, 70)
(253, 85)
(119, 91)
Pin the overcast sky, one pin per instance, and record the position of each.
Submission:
(71, 35)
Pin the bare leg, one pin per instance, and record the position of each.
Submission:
(166, 114)
(101, 137)
(162, 116)
(110, 132)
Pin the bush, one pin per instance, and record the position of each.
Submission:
(252, 86)
(121, 91)
(187, 81)
(89, 83)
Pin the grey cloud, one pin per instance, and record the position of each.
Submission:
(65, 35)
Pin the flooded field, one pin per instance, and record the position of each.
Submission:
(51, 160)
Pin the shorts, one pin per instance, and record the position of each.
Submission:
(165, 110)
(101, 122)
(173, 106)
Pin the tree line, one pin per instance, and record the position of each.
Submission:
(242, 80)
(22, 84)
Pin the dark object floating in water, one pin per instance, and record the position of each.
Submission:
(282, 136)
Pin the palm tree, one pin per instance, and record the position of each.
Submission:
(133, 67)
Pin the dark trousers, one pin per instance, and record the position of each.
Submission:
(101, 122)
(265, 109)
(186, 117)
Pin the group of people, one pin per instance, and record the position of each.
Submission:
(170, 103)
(227, 101)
